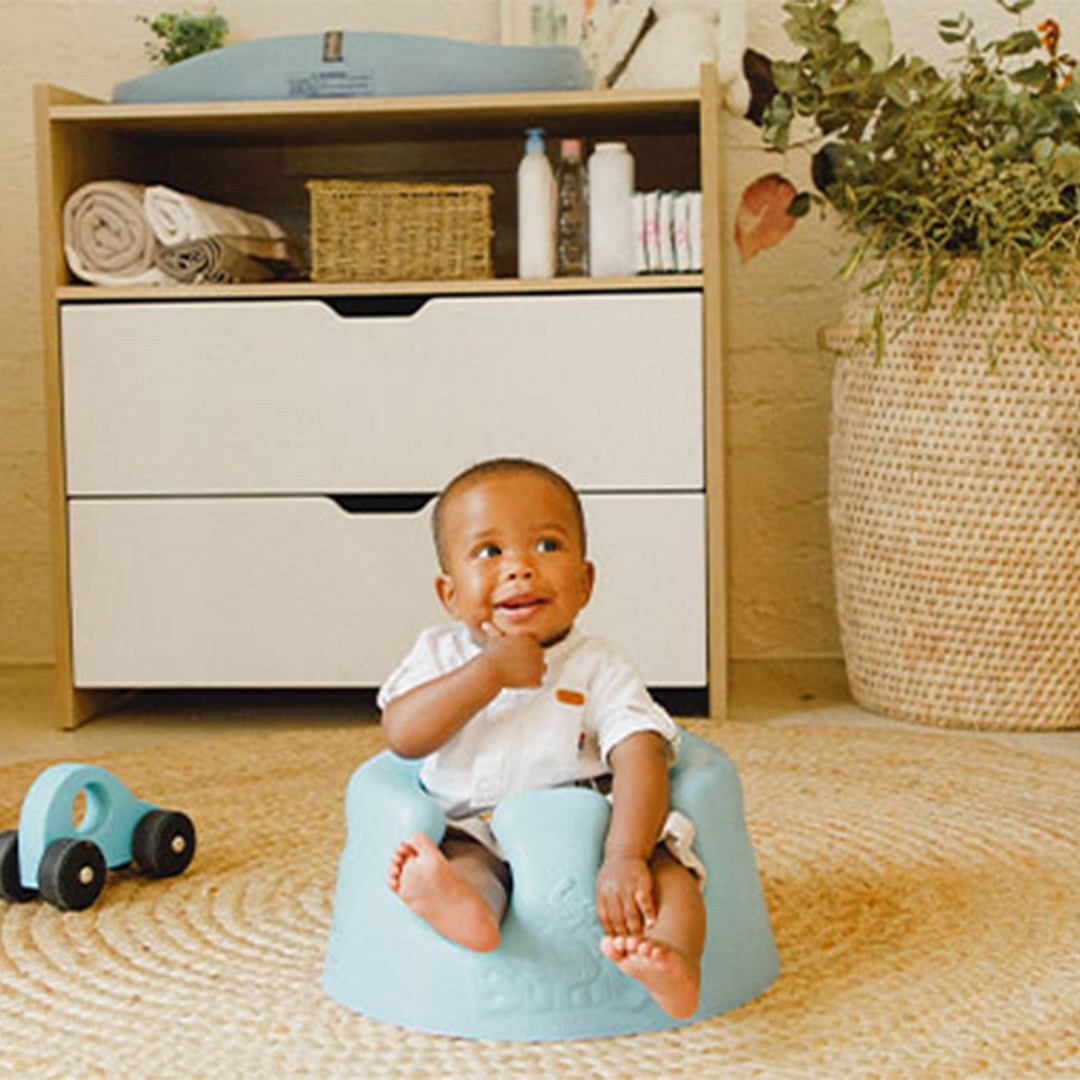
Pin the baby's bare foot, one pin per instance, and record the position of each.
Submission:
(668, 975)
(424, 878)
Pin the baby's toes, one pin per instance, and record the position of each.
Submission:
(401, 856)
(613, 946)
(652, 950)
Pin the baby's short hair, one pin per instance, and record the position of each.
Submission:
(495, 467)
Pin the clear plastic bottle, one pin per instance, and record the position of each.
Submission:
(536, 209)
(572, 240)
(611, 192)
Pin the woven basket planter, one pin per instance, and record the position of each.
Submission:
(954, 507)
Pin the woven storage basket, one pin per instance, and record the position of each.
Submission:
(954, 506)
(363, 231)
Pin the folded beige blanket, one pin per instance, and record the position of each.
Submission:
(107, 239)
(228, 259)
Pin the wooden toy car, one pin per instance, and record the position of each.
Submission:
(67, 862)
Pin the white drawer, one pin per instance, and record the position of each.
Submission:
(296, 592)
(288, 396)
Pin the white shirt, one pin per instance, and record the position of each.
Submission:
(591, 699)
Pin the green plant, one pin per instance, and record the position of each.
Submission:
(971, 171)
(185, 35)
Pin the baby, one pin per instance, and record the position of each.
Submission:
(512, 696)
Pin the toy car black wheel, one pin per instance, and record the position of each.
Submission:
(72, 874)
(11, 887)
(164, 843)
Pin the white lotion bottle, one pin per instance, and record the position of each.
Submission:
(611, 225)
(536, 209)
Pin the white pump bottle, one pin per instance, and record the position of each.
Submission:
(536, 209)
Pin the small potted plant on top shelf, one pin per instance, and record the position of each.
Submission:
(955, 433)
(182, 36)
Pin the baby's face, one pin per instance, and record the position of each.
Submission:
(514, 557)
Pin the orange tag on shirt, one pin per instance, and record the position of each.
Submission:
(570, 697)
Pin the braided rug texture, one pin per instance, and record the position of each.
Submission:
(924, 891)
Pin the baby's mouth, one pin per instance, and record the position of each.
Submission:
(520, 607)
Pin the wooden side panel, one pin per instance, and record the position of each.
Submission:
(713, 227)
(61, 166)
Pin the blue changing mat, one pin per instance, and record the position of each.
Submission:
(346, 64)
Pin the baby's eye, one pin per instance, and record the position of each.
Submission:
(487, 551)
(548, 543)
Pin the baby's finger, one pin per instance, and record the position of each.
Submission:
(491, 630)
(604, 912)
(646, 906)
(632, 916)
(619, 915)
(604, 915)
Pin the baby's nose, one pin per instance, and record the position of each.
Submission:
(518, 567)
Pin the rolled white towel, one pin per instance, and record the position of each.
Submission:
(107, 239)
(177, 218)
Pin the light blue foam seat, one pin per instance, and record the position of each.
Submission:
(548, 978)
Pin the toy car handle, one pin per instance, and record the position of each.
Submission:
(47, 815)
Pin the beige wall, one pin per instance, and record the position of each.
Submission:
(778, 382)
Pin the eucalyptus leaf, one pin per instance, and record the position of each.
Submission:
(1043, 152)
(1033, 75)
(1023, 41)
(1066, 165)
(800, 205)
(955, 30)
(865, 24)
(785, 78)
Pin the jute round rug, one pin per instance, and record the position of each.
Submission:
(925, 894)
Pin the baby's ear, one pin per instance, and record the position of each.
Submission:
(588, 569)
(444, 587)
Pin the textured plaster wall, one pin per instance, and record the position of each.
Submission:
(781, 601)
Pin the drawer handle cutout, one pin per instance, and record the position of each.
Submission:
(385, 503)
(375, 307)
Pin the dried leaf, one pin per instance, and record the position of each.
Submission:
(763, 219)
(758, 71)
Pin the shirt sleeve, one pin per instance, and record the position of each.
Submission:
(423, 663)
(624, 707)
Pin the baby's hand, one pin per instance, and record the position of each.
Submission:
(624, 896)
(517, 659)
